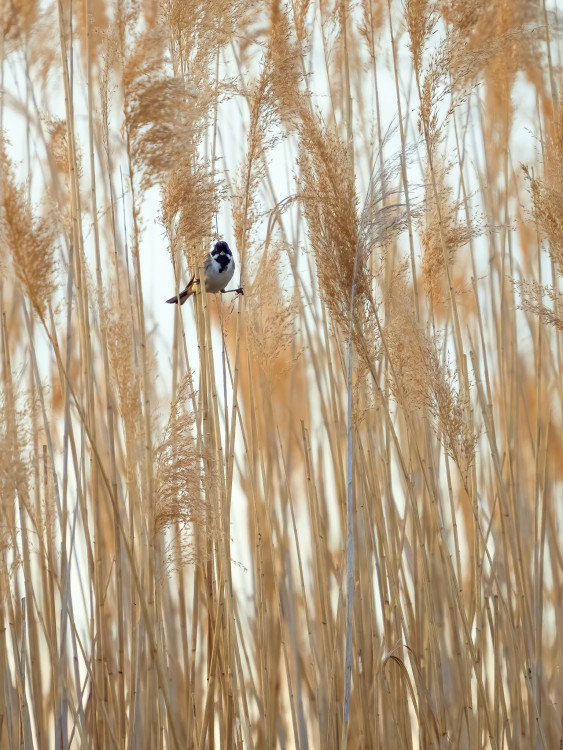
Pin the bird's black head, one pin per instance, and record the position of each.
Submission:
(221, 247)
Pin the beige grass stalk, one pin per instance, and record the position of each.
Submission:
(222, 619)
(471, 426)
(20, 488)
(320, 348)
(223, 512)
(445, 555)
(120, 707)
(350, 544)
(273, 532)
(510, 375)
(148, 496)
(350, 525)
(430, 140)
(423, 15)
(243, 223)
(87, 361)
(403, 159)
(211, 593)
(536, 593)
(127, 548)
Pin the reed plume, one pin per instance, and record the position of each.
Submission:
(29, 240)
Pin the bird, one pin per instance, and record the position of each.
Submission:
(218, 270)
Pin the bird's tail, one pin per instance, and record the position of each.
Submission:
(183, 296)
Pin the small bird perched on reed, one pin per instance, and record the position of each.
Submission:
(218, 270)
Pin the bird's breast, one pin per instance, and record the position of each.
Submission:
(218, 275)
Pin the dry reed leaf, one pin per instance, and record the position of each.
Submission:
(58, 389)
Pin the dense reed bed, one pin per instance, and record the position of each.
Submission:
(326, 513)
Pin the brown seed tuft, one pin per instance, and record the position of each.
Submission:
(29, 240)
(163, 112)
(181, 486)
(270, 317)
(421, 381)
(532, 296)
(547, 199)
(455, 232)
